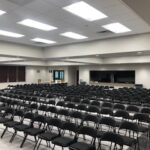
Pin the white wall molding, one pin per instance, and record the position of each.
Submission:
(108, 46)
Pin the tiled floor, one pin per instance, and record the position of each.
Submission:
(29, 145)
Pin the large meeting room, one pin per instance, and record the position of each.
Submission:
(74, 74)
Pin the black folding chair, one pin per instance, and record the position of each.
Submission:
(38, 128)
(65, 139)
(84, 145)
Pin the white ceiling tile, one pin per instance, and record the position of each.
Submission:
(51, 12)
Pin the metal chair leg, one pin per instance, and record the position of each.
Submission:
(13, 136)
(23, 141)
(4, 132)
(53, 147)
(39, 144)
(36, 143)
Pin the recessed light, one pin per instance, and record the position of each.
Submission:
(74, 35)
(10, 34)
(85, 11)
(117, 28)
(45, 41)
(2, 12)
(38, 25)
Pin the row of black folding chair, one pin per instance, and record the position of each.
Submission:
(74, 143)
(32, 131)
(129, 108)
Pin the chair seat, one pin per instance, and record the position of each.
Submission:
(48, 119)
(11, 123)
(21, 127)
(3, 120)
(3, 108)
(100, 133)
(34, 131)
(118, 123)
(48, 136)
(63, 141)
(128, 141)
(81, 146)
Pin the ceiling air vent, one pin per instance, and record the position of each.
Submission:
(104, 32)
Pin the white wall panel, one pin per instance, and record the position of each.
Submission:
(142, 72)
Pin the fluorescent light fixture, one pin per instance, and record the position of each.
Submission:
(10, 34)
(85, 11)
(38, 25)
(2, 12)
(74, 35)
(45, 41)
(116, 28)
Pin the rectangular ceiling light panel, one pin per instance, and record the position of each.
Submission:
(2, 12)
(85, 11)
(116, 28)
(45, 41)
(10, 34)
(38, 25)
(10, 59)
(74, 35)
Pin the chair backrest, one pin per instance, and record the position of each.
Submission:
(84, 130)
(33, 106)
(9, 111)
(130, 126)
(63, 112)
(39, 121)
(28, 118)
(42, 108)
(95, 103)
(122, 113)
(107, 104)
(106, 111)
(70, 105)
(141, 117)
(91, 118)
(19, 113)
(52, 109)
(76, 114)
(119, 107)
(60, 103)
(70, 127)
(85, 101)
(145, 110)
(81, 107)
(76, 100)
(52, 102)
(93, 109)
(132, 108)
(112, 137)
(54, 122)
(108, 121)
